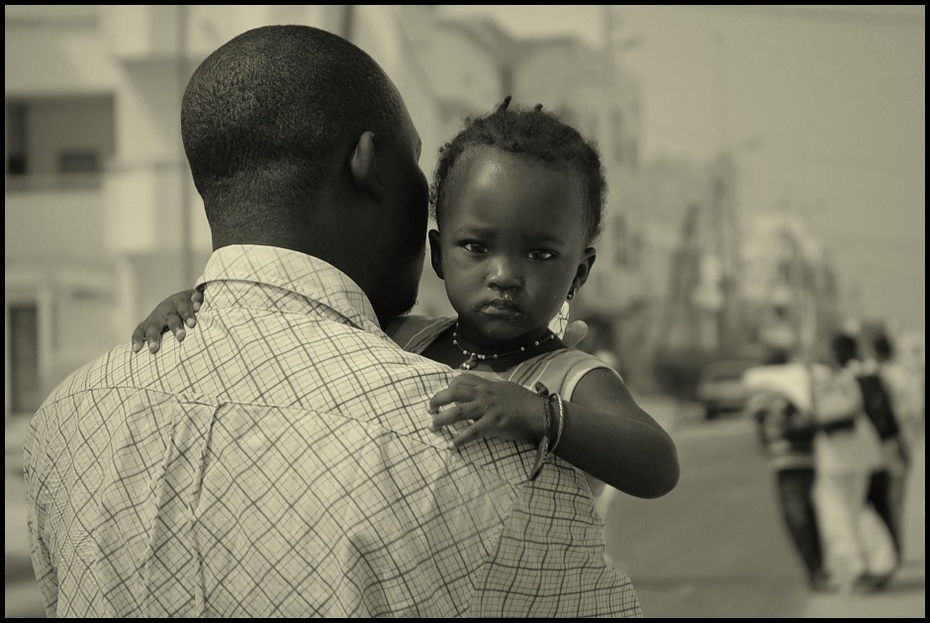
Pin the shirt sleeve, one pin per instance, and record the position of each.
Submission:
(39, 485)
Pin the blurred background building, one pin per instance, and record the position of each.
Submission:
(102, 220)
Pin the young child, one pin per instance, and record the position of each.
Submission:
(518, 198)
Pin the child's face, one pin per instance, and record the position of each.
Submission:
(511, 245)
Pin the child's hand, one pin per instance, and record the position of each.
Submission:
(499, 408)
(172, 313)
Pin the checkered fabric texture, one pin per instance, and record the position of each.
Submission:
(279, 463)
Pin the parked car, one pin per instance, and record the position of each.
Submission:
(720, 386)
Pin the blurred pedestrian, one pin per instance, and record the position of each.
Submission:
(280, 461)
(847, 449)
(905, 385)
(889, 399)
(777, 402)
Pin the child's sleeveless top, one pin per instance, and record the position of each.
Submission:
(558, 370)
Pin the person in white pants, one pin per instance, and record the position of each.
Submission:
(858, 546)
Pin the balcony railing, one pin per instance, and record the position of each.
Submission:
(52, 182)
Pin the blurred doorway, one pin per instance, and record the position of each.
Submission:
(22, 358)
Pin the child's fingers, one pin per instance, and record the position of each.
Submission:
(176, 326)
(472, 433)
(439, 400)
(138, 338)
(153, 336)
(458, 391)
(461, 389)
(185, 311)
(446, 417)
(196, 302)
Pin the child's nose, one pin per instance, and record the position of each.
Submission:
(504, 275)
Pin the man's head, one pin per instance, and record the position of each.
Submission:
(297, 138)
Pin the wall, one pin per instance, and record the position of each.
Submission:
(53, 224)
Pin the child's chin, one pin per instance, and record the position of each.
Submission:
(505, 331)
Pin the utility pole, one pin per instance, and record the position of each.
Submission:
(725, 218)
(722, 108)
(718, 221)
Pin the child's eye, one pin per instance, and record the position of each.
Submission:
(474, 247)
(541, 254)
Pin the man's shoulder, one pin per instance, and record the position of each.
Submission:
(103, 366)
(107, 370)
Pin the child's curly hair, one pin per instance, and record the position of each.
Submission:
(537, 134)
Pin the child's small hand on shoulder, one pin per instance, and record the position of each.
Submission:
(174, 313)
(498, 408)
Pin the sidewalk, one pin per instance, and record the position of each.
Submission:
(904, 597)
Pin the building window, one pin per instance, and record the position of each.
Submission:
(16, 138)
(78, 161)
(23, 353)
(58, 142)
(16, 164)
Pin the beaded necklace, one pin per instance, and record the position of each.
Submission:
(473, 357)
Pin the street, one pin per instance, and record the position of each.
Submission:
(714, 547)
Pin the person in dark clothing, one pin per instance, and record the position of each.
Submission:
(787, 433)
(885, 485)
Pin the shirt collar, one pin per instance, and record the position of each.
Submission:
(297, 272)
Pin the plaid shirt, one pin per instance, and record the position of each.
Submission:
(279, 462)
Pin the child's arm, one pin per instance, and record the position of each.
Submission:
(180, 309)
(605, 432)
(173, 313)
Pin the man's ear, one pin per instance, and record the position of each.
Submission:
(363, 165)
(584, 267)
(435, 252)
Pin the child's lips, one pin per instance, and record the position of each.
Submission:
(500, 307)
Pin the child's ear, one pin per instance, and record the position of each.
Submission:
(363, 166)
(435, 252)
(584, 267)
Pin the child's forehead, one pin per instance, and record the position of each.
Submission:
(494, 188)
(497, 170)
